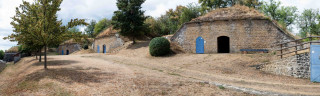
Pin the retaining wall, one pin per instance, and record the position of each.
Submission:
(296, 66)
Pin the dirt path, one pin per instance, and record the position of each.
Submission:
(86, 75)
(231, 69)
(133, 72)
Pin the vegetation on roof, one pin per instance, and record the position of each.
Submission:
(14, 49)
(231, 13)
(107, 32)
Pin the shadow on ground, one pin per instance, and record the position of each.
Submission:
(139, 44)
(56, 63)
(71, 75)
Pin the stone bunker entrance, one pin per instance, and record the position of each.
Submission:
(223, 44)
(67, 52)
(104, 49)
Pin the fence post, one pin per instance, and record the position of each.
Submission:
(296, 47)
(281, 51)
(310, 38)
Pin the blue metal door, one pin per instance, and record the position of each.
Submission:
(315, 63)
(98, 49)
(62, 53)
(104, 49)
(200, 45)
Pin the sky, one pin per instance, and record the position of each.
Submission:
(98, 9)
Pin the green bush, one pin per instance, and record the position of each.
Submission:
(159, 46)
(1, 54)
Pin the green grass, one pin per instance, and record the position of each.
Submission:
(28, 85)
(61, 92)
(221, 87)
(52, 53)
(174, 74)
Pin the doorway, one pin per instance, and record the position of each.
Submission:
(200, 45)
(104, 49)
(223, 44)
(67, 52)
(98, 49)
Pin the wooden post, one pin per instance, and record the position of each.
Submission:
(310, 38)
(296, 47)
(281, 51)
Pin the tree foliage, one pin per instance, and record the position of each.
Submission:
(284, 15)
(36, 25)
(309, 22)
(90, 29)
(170, 22)
(101, 25)
(208, 5)
(1, 54)
(129, 18)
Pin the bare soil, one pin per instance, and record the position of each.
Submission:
(132, 71)
(85, 75)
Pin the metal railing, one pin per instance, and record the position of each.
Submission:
(298, 42)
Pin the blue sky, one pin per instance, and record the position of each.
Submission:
(98, 9)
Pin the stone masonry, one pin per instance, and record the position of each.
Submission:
(296, 66)
(71, 47)
(243, 34)
(111, 42)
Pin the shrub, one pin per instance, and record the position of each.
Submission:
(159, 46)
(1, 54)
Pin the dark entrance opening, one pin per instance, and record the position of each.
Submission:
(67, 52)
(223, 44)
(104, 49)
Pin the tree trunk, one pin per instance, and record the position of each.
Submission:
(40, 55)
(45, 57)
(134, 41)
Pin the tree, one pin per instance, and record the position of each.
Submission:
(1, 54)
(170, 22)
(190, 12)
(101, 25)
(129, 18)
(284, 15)
(252, 3)
(36, 25)
(90, 29)
(308, 22)
(208, 5)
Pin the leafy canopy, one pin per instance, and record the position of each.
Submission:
(101, 25)
(284, 15)
(129, 18)
(208, 5)
(309, 22)
(90, 29)
(36, 25)
(1, 54)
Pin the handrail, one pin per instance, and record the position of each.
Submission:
(299, 40)
(282, 48)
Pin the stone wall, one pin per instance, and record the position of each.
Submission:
(243, 34)
(71, 47)
(296, 66)
(2, 66)
(9, 57)
(111, 43)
